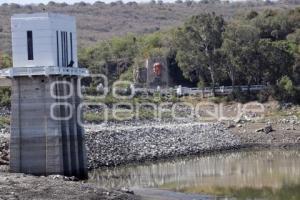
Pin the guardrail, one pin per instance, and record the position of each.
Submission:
(35, 71)
(180, 91)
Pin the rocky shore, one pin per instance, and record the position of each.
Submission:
(120, 144)
(4, 147)
(117, 143)
(20, 186)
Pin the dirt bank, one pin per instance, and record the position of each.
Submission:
(20, 186)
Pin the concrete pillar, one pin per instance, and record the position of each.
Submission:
(39, 144)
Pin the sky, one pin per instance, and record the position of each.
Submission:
(71, 1)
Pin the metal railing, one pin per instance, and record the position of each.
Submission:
(198, 91)
(34, 71)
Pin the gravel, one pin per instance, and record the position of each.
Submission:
(21, 186)
(117, 143)
(4, 147)
(120, 144)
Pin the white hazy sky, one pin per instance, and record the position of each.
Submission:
(72, 1)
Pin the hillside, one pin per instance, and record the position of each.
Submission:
(102, 21)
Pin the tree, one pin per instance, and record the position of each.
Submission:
(294, 39)
(251, 15)
(188, 3)
(153, 2)
(14, 6)
(81, 4)
(277, 59)
(240, 52)
(51, 3)
(110, 57)
(160, 2)
(99, 3)
(273, 24)
(296, 71)
(197, 44)
(286, 89)
(226, 62)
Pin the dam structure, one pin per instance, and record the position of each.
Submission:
(46, 137)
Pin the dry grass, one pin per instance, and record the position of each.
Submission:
(102, 21)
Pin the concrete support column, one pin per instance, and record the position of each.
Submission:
(41, 145)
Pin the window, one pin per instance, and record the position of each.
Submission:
(71, 44)
(29, 45)
(64, 49)
(57, 48)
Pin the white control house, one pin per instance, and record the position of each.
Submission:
(44, 39)
(44, 78)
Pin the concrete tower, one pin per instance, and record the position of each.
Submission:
(45, 135)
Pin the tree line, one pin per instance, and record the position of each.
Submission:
(252, 48)
(207, 50)
(255, 48)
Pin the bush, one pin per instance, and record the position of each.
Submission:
(264, 95)
(5, 61)
(127, 75)
(4, 121)
(238, 95)
(5, 94)
(285, 90)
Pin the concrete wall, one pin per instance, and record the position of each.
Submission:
(41, 145)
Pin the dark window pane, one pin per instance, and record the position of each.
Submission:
(67, 51)
(29, 45)
(57, 48)
(71, 44)
(62, 49)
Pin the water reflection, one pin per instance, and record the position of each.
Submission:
(233, 172)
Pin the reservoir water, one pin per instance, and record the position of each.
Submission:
(265, 174)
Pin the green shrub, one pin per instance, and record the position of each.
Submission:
(5, 94)
(127, 75)
(238, 95)
(4, 121)
(264, 95)
(93, 117)
(5, 61)
(285, 90)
